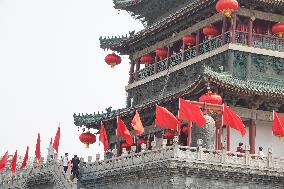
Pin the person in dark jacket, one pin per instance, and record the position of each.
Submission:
(75, 166)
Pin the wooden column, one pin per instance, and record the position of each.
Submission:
(189, 133)
(219, 128)
(197, 42)
(224, 27)
(156, 65)
(182, 52)
(228, 138)
(131, 71)
(137, 70)
(250, 27)
(233, 28)
(252, 134)
(168, 56)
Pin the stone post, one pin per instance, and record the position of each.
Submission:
(153, 144)
(199, 149)
(90, 159)
(269, 158)
(133, 149)
(247, 155)
(164, 143)
(124, 152)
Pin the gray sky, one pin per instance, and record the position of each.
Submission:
(52, 66)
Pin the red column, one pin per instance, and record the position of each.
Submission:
(137, 70)
(131, 71)
(197, 42)
(252, 134)
(233, 28)
(219, 128)
(189, 133)
(224, 27)
(250, 27)
(228, 138)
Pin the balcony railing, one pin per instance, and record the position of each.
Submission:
(241, 38)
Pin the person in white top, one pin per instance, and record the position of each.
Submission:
(65, 162)
(260, 153)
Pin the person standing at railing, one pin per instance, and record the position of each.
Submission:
(65, 162)
(75, 166)
(240, 148)
(260, 153)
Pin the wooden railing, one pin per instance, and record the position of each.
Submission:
(241, 38)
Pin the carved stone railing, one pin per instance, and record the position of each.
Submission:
(50, 172)
(196, 155)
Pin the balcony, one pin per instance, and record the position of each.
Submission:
(241, 38)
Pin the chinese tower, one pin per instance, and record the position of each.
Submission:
(229, 50)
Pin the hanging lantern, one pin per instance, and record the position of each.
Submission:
(87, 138)
(185, 130)
(162, 53)
(189, 40)
(278, 29)
(227, 7)
(210, 31)
(113, 59)
(141, 141)
(169, 134)
(146, 59)
(126, 146)
(211, 97)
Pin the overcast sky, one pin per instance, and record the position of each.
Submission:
(52, 66)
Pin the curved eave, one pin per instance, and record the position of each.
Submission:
(122, 4)
(218, 80)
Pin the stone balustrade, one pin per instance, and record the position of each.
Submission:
(49, 173)
(196, 155)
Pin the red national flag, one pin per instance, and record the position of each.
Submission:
(231, 119)
(123, 132)
(25, 159)
(190, 112)
(37, 151)
(3, 161)
(56, 140)
(13, 166)
(103, 137)
(165, 119)
(137, 124)
(278, 125)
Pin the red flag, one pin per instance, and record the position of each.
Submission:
(13, 166)
(3, 161)
(56, 140)
(165, 119)
(190, 112)
(25, 159)
(123, 132)
(37, 151)
(103, 137)
(231, 119)
(137, 124)
(278, 125)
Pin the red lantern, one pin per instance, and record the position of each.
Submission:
(162, 53)
(126, 146)
(169, 134)
(189, 40)
(87, 138)
(227, 7)
(142, 141)
(112, 59)
(278, 29)
(210, 31)
(211, 97)
(185, 130)
(146, 59)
